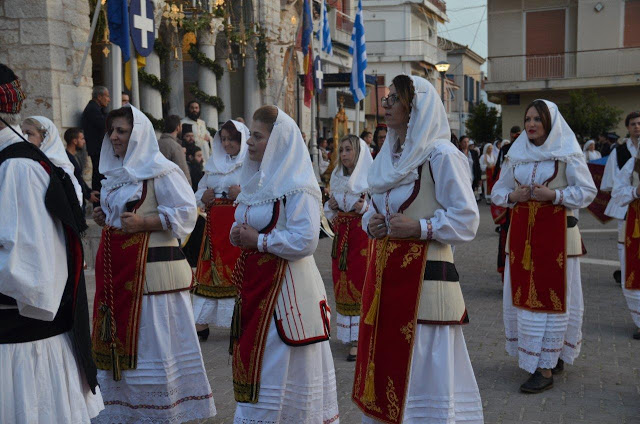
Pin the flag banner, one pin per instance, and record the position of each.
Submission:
(307, 33)
(118, 21)
(359, 52)
(325, 30)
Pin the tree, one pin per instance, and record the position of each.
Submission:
(588, 114)
(482, 125)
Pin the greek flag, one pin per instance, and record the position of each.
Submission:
(326, 33)
(358, 50)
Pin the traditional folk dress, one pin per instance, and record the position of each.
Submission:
(215, 294)
(412, 363)
(542, 297)
(350, 244)
(624, 194)
(145, 342)
(588, 154)
(487, 165)
(282, 364)
(46, 368)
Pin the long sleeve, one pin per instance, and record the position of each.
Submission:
(366, 216)
(459, 219)
(300, 237)
(581, 189)
(176, 204)
(33, 258)
(483, 163)
(328, 212)
(623, 191)
(202, 187)
(503, 187)
(609, 175)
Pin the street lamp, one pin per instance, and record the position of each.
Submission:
(442, 67)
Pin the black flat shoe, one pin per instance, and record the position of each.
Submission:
(558, 368)
(537, 383)
(203, 335)
(636, 335)
(351, 358)
(617, 276)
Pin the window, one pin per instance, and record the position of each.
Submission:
(545, 40)
(477, 91)
(631, 20)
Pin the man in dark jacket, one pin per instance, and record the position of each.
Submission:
(93, 126)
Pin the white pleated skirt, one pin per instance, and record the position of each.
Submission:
(297, 385)
(632, 296)
(41, 382)
(214, 312)
(170, 384)
(442, 385)
(539, 339)
(348, 327)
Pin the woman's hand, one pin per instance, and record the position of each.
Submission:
(208, 196)
(377, 226)
(543, 193)
(234, 190)
(358, 206)
(520, 194)
(132, 223)
(98, 216)
(235, 235)
(401, 226)
(333, 204)
(248, 237)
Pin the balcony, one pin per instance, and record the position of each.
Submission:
(341, 27)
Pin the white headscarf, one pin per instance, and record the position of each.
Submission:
(490, 159)
(285, 168)
(220, 162)
(356, 183)
(52, 145)
(428, 127)
(143, 160)
(560, 144)
(587, 144)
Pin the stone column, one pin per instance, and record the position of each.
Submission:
(224, 90)
(206, 78)
(176, 82)
(251, 86)
(150, 98)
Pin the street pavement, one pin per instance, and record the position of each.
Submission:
(603, 386)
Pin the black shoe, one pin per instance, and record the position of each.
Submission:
(617, 275)
(636, 335)
(558, 368)
(351, 358)
(498, 229)
(203, 335)
(537, 383)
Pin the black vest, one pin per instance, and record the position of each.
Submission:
(622, 154)
(73, 315)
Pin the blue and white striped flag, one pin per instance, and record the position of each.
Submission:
(358, 50)
(326, 33)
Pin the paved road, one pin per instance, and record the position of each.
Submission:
(602, 387)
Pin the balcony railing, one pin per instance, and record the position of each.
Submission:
(441, 5)
(582, 64)
(344, 22)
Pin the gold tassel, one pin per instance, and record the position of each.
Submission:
(235, 324)
(526, 258)
(105, 324)
(206, 254)
(115, 363)
(369, 394)
(342, 263)
(636, 229)
(334, 246)
(370, 319)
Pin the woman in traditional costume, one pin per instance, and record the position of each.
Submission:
(282, 364)
(413, 365)
(487, 165)
(544, 178)
(218, 189)
(144, 338)
(590, 152)
(350, 244)
(43, 133)
(625, 193)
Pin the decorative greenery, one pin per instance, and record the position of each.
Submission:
(588, 114)
(482, 125)
(212, 131)
(261, 55)
(158, 124)
(154, 82)
(200, 95)
(202, 60)
(161, 49)
(102, 21)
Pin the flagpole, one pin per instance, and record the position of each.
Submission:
(357, 126)
(133, 67)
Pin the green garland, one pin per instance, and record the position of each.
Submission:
(261, 55)
(200, 95)
(161, 50)
(158, 124)
(155, 82)
(202, 60)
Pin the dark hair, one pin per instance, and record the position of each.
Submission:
(72, 133)
(515, 129)
(376, 147)
(233, 131)
(171, 123)
(364, 133)
(6, 74)
(543, 110)
(454, 139)
(405, 91)
(186, 108)
(123, 112)
(267, 115)
(462, 137)
(632, 115)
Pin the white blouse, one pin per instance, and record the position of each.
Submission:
(487, 161)
(610, 176)
(578, 194)
(346, 202)
(298, 239)
(176, 203)
(624, 192)
(458, 219)
(218, 182)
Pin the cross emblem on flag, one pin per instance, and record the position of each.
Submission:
(318, 74)
(142, 26)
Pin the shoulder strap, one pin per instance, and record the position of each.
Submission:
(623, 154)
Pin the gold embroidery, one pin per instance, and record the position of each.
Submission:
(128, 285)
(364, 252)
(629, 281)
(557, 304)
(132, 241)
(516, 298)
(414, 252)
(265, 258)
(628, 242)
(558, 209)
(392, 397)
(532, 300)
(512, 258)
(407, 330)
(560, 259)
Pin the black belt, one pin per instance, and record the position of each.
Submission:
(572, 221)
(441, 271)
(165, 254)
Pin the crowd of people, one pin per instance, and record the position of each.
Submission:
(248, 202)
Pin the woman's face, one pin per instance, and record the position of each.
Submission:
(33, 135)
(120, 133)
(533, 126)
(257, 143)
(490, 150)
(347, 155)
(382, 135)
(395, 115)
(230, 146)
(591, 147)
(368, 139)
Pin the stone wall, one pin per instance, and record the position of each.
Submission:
(43, 42)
